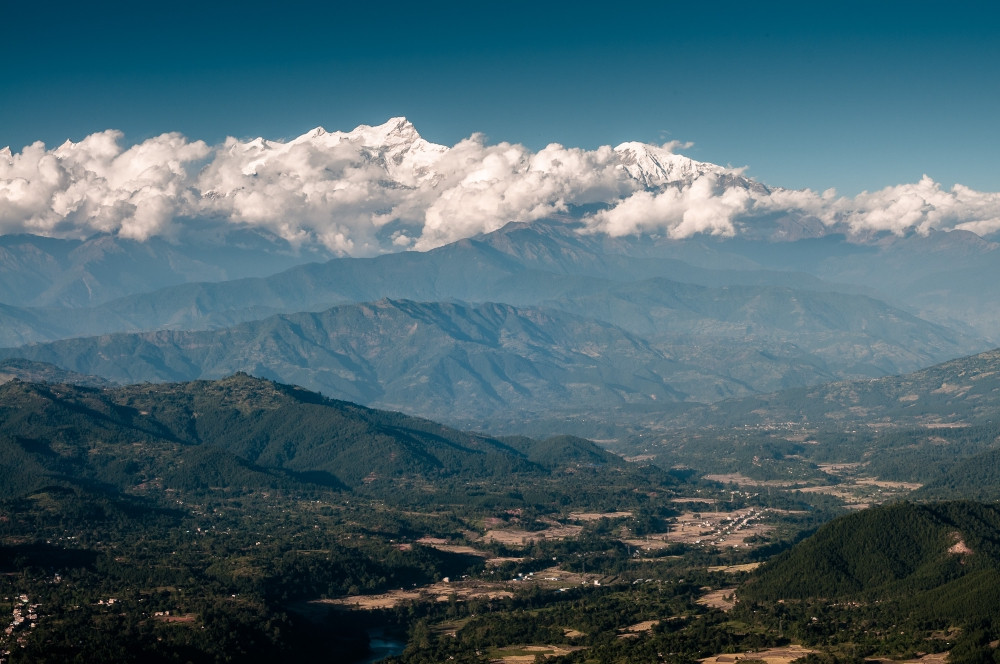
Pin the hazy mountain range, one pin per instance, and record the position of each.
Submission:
(555, 321)
(556, 314)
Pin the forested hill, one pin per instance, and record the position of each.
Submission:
(961, 391)
(243, 432)
(43, 372)
(974, 478)
(931, 560)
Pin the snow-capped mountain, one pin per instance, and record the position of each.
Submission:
(408, 159)
(652, 166)
(384, 188)
(394, 146)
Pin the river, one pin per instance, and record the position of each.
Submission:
(382, 645)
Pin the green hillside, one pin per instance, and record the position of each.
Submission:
(194, 521)
(897, 581)
(936, 560)
(238, 504)
(242, 432)
(974, 478)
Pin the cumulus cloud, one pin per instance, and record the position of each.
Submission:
(384, 188)
(683, 210)
(922, 206)
(704, 206)
(491, 185)
(93, 186)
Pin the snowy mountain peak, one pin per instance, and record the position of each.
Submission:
(407, 158)
(399, 148)
(393, 127)
(395, 146)
(380, 188)
(654, 166)
(395, 134)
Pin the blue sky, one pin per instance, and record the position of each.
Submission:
(849, 95)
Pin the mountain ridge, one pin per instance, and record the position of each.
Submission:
(455, 361)
(241, 429)
(952, 393)
(439, 274)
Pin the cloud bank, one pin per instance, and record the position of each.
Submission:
(384, 188)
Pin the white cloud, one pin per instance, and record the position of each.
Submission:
(922, 206)
(95, 186)
(384, 188)
(701, 206)
(492, 185)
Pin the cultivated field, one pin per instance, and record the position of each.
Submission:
(772, 656)
(435, 592)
